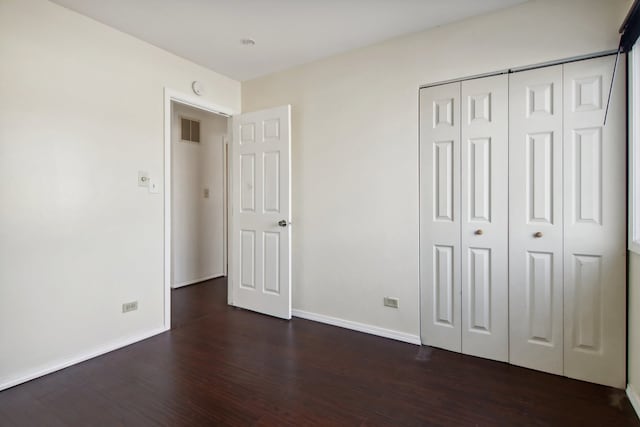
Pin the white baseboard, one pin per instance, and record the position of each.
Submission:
(633, 398)
(81, 358)
(360, 327)
(191, 282)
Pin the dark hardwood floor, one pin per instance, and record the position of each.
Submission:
(225, 366)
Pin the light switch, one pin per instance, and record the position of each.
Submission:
(154, 187)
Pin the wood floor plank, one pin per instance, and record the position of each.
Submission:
(221, 365)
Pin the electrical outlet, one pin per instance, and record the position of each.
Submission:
(129, 306)
(206, 193)
(391, 302)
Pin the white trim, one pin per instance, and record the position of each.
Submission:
(191, 282)
(523, 68)
(197, 102)
(230, 218)
(81, 358)
(634, 149)
(170, 96)
(360, 327)
(225, 203)
(633, 398)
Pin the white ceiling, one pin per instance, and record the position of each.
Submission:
(287, 32)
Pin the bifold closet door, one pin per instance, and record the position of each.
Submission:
(439, 216)
(464, 214)
(523, 219)
(535, 219)
(594, 223)
(484, 217)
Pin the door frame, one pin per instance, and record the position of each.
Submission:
(170, 96)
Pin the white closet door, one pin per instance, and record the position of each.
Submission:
(535, 219)
(440, 219)
(484, 218)
(594, 223)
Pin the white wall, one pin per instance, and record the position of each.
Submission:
(81, 111)
(633, 297)
(198, 238)
(633, 328)
(355, 146)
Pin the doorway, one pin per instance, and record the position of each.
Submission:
(258, 202)
(198, 195)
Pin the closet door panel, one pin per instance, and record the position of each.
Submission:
(535, 219)
(484, 217)
(594, 223)
(440, 216)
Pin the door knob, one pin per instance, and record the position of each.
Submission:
(479, 232)
(537, 234)
(283, 223)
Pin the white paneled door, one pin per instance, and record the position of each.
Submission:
(484, 217)
(464, 214)
(522, 219)
(535, 219)
(261, 212)
(440, 216)
(594, 223)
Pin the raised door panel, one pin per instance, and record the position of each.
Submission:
(248, 259)
(479, 289)
(594, 223)
(539, 161)
(484, 218)
(247, 183)
(271, 263)
(535, 219)
(272, 172)
(539, 285)
(443, 179)
(479, 180)
(443, 289)
(440, 216)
